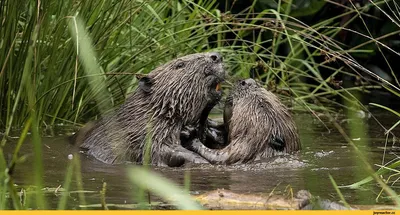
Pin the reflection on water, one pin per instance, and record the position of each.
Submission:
(323, 153)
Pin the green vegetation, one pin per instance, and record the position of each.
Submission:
(68, 62)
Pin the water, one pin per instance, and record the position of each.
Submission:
(323, 153)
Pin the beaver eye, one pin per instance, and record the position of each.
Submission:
(180, 65)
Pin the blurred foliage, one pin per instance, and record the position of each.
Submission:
(314, 53)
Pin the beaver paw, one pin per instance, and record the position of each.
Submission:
(215, 136)
(195, 145)
(277, 144)
(187, 134)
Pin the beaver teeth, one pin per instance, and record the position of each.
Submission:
(218, 87)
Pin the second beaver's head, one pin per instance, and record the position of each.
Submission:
(241, 90)
(182, 88)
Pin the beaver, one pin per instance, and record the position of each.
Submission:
(175, 95)
(257, 125)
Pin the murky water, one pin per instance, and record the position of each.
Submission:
(323, 153)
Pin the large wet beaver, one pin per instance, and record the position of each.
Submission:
(178, 94)
(258, 125)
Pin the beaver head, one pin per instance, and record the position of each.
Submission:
(185, 87)
(241, 89)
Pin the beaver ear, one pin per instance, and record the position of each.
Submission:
(145, 83)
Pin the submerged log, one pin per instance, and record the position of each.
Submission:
(227, 200)
(224, 199)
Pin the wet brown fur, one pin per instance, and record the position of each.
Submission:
(170, 97)
(255, 119)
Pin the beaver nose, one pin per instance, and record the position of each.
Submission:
(215, 57)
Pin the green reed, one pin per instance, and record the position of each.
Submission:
(71, 61)
(132, 37)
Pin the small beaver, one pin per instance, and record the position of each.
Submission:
(258, 125)
(171, 97)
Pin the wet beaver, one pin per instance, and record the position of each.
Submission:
(177, 94)
(257, 125)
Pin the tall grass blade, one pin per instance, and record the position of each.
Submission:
(87, 55)
(36, 139)
(62, 204)
(338, 192)
(162, 187)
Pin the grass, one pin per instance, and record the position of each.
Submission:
(68, 62)
(144, 35)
